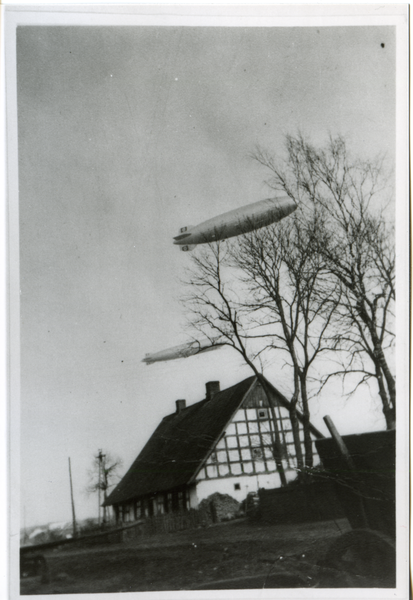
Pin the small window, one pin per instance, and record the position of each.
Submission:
(183, 229)
(262, 413)
(126, 513)
(237, 486)
(256, 453)
(145, 507)
(160, 504)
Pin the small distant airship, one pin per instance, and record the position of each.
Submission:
(236, 222)
(182, 351)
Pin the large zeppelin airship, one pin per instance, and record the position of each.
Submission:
(236, 222)
(182, 351)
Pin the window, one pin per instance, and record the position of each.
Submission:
(145, 507)
(126, 513)
(256, 453)
(160, 507)
(182, 499)
(169, 504)
(183, 229)
(262, 413)
(237, 486)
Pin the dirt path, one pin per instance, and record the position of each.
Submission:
(187, 560)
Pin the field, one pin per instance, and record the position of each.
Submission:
(233, 555)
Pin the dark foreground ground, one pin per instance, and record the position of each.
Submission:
(234, 555)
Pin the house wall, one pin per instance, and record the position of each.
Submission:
(240, 487)
(242, 460)
(246, 446)
(176, 500)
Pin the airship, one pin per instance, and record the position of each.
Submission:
(182, 351)
(236, 222)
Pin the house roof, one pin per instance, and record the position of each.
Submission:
(182, 442)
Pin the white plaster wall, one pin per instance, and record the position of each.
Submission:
(247, 484)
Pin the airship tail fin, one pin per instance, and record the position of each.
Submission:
(184, 232)
(188, 247)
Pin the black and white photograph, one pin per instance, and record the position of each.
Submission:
(207, 220)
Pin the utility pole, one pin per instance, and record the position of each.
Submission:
(102, 483)
(25, 536)
(73, 503)
(100, 460)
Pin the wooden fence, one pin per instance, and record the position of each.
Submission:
(144, 527)
(165, 524)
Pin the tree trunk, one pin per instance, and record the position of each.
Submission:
(379, 358)
(295, 424)
(277, 449)
(391, 384)
(388, 411)
(276, 446)
(308, 443)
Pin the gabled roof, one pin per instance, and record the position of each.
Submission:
(179, 445)
(182, 442)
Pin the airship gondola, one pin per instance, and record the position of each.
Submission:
(182, 351)
(236, 222)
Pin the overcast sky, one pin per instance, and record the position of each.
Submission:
(127, 134)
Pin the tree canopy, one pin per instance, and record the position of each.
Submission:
(316, 288)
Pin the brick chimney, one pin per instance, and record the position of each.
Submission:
(180, 405)
(212, 388)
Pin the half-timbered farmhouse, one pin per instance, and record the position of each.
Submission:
(222, 444)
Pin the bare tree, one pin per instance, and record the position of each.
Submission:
(265, 287)
(103, 475)
(356, 245)
(214, 309)
(288, 295)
